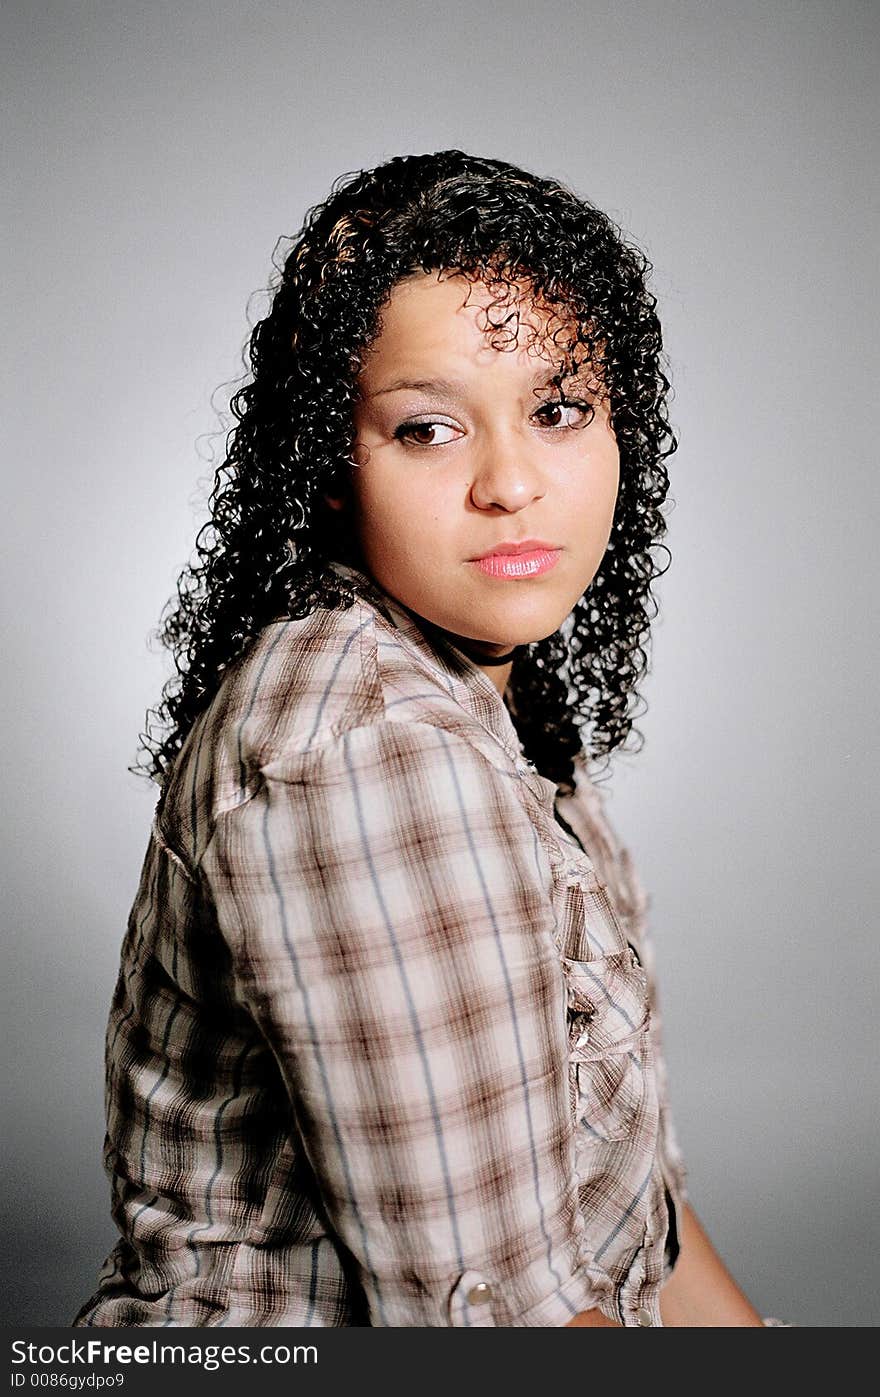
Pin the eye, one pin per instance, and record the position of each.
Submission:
(559, 413)
(427, 433)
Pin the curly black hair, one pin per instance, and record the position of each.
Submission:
(266, 549)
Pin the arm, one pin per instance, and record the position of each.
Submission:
(701, 1291)
(391, 933)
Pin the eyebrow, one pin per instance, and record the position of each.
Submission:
(450, 386)
(422, 385)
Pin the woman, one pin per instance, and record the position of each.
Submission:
(384, 1048)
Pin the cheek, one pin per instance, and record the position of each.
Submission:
(592, 484)
(610, 479)
(607, 461)
(401, 508)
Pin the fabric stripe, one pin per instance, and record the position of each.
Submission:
(625, 1215)
(328, 687)
(414, 1019)
(316, 1038)
(255, 689)
(466, 825)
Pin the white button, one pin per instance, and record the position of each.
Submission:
(644, 1317)
(480, 1293)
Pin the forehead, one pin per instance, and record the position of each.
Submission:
(446, 312)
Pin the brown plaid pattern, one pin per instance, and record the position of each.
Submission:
(384, 1047)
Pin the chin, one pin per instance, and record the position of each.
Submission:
(531, 623)
(507, 633)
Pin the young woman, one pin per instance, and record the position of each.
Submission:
(385, 1048)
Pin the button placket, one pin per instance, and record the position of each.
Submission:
(608, 1029)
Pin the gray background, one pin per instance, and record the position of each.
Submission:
(157, 152)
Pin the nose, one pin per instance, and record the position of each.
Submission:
(506, 474)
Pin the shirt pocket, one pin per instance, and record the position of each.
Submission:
(608, 1018)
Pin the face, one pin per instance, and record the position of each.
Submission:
(480, 498)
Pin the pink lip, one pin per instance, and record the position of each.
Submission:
(529, 561)
(511, 548)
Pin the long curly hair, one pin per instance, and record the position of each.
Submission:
(266, 549)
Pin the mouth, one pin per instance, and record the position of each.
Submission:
(527, 558)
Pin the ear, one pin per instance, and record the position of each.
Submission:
(336, 494)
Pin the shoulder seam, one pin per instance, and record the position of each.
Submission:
(318, 752)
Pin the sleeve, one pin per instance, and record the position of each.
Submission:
(391, 929)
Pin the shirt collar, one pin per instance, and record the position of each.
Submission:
(461, 677)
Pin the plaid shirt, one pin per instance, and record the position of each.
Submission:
(384, 1047)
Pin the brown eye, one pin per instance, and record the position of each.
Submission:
(563, 414)
(425, 433)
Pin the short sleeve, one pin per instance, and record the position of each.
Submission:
(390, 922)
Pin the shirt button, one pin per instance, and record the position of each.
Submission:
(480, 1293)
(644, 1317)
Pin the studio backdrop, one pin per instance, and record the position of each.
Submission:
(155, 155)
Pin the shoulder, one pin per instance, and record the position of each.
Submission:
(314, 691)
(301, 685)
(298, 682)
(306, 681)
(342, 698)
